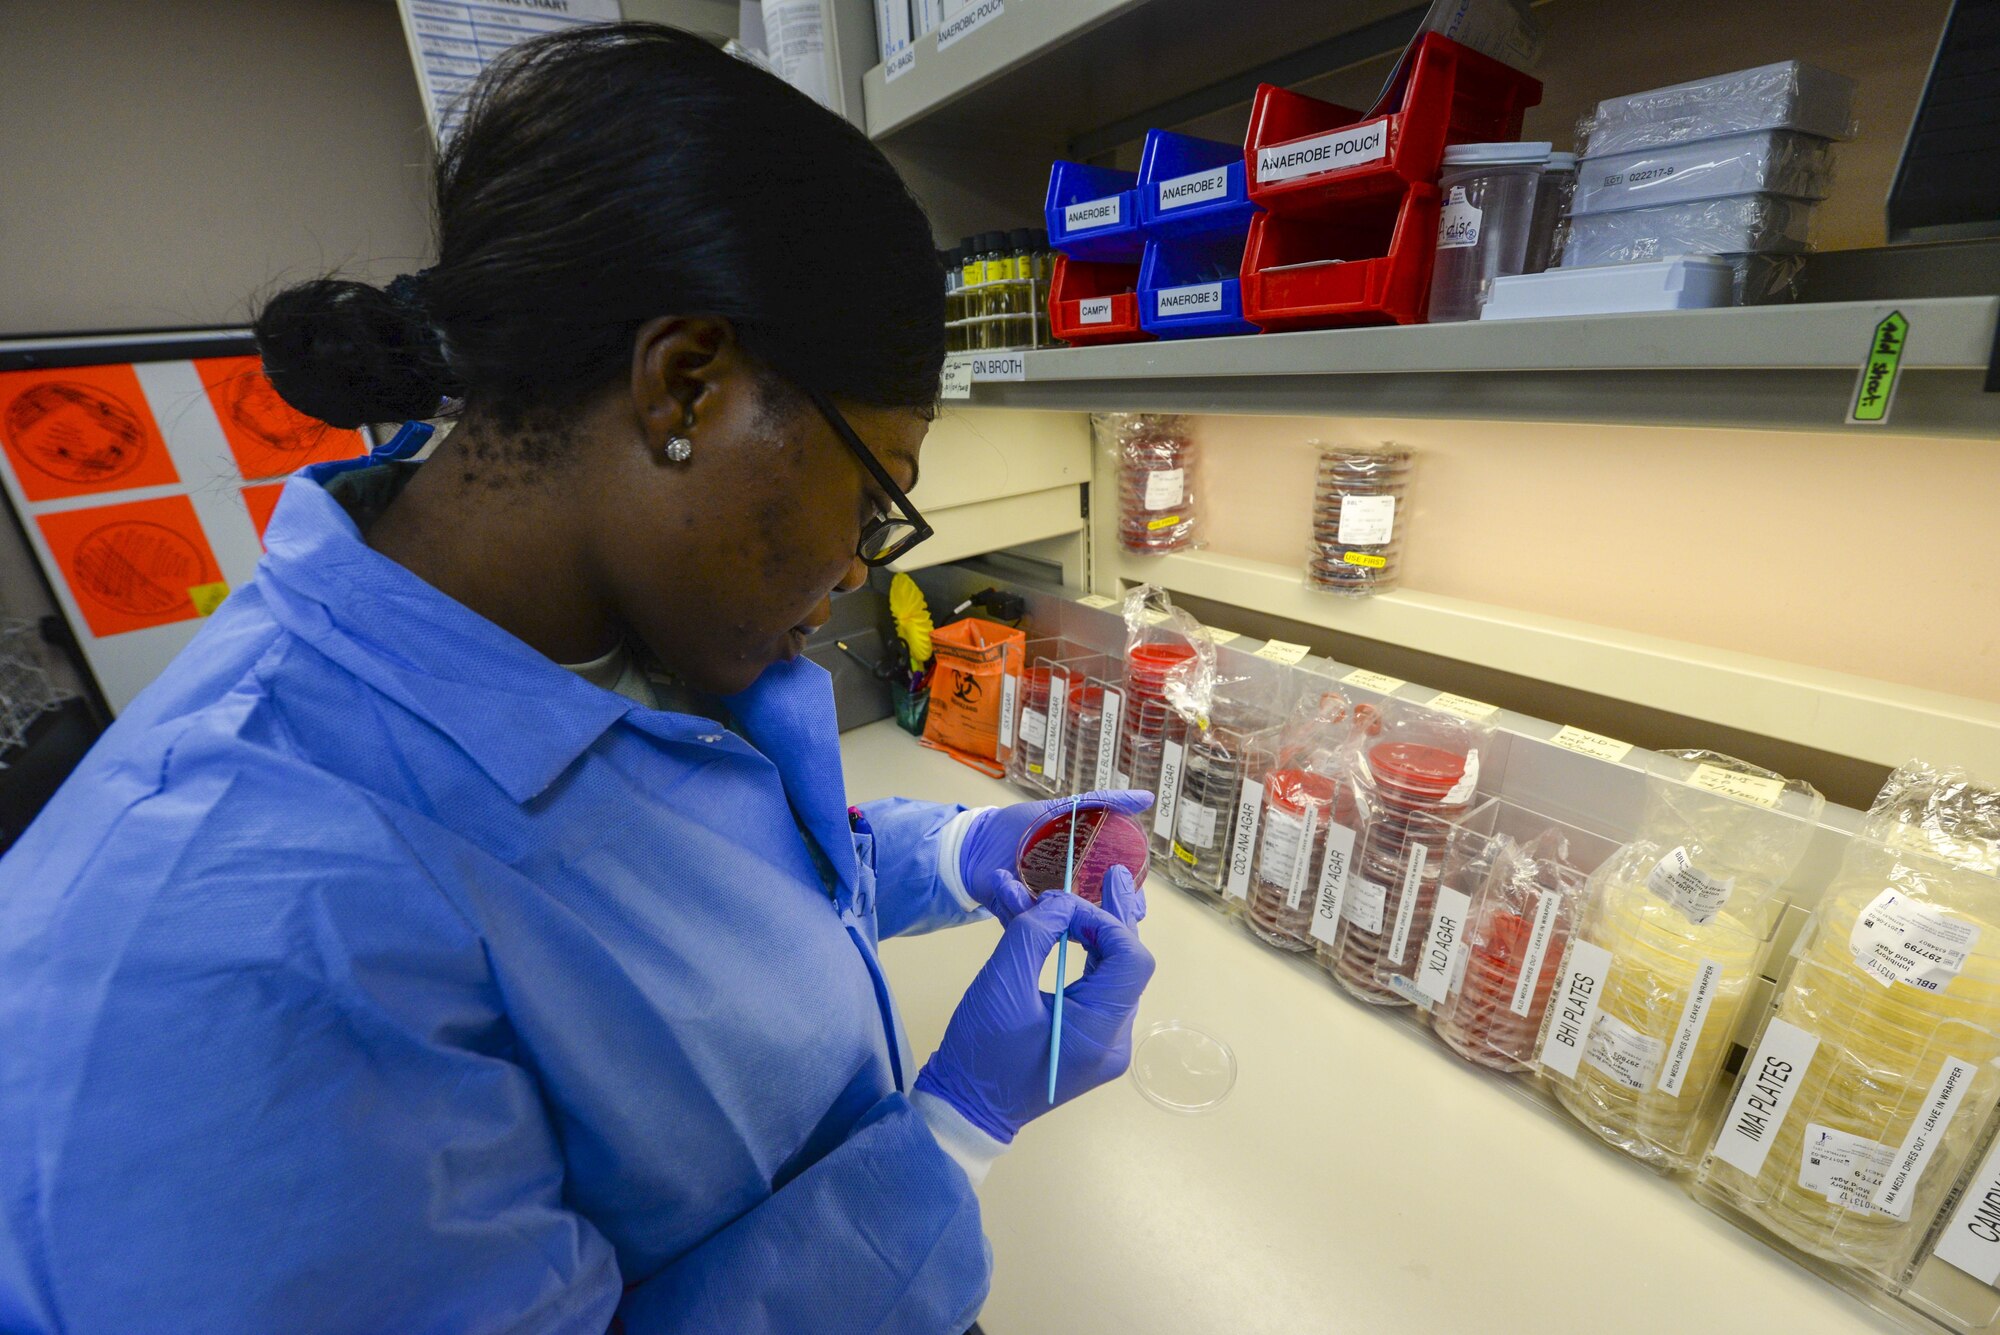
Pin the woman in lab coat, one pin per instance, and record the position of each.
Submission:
(469, 931)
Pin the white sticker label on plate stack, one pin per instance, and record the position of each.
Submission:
(1406, 903)
(1897, 940)
(1771, 1079)
(1364, 903)
(1547, 905)
(1441, 948)
(1899, 1186)
(1323, 153)
(1195, 827)
(1282, 832)
(1169, 791)
(1677, 880)
(1623, 1053)
(1106, 770)
(1972, 1240)
(1089, 214)
(1034, 727)
(1094, 310)
(1301, 877)
(1331, 892)
(1687, 1034)
(1243, 837)
(1182, 191)
(1846, 1169)
(1190, 300)
(1458, 222)
(1367, 521)
(1573, 1007)
(1165, 487)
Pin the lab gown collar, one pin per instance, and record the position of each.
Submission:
(520, 717)
(788, 715)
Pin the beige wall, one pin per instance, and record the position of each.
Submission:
(1876, 555)
(163, 161)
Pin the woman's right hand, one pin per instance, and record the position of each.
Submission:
(993, 1065)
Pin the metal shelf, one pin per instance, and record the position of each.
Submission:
(1772, 367)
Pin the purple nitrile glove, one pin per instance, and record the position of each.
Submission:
(993, 1065)
(994, 839)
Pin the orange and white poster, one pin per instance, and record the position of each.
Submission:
(138, 564)
(81, 431)
(268, 436)
(261, 500)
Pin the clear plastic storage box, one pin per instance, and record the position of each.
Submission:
(1765, 162)
(1788, 95)
(1763, 224)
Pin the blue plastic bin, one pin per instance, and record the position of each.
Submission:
(1092, 214)
(1188, 287)
(1190, 186)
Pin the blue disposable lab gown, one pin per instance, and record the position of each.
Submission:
(376, 974)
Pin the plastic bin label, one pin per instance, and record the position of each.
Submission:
(1165, 487)
(1875, 386)
(899, 64)
(1465, 708)
(1365, 902)
(1971, 1242)
(1188, 300)
(1182, 191)
(1406, 904)
(1622, 1052)
(1771, 1079)
(1595, 745)
(957, 378)
(1323, 153)
(1899, 1188)
(1696, 894)
(1548, 904)
(1000, 366)
(1277, 651)
(1435, 965)
(1221, 637)
(1896, 940)
(1034, 727)
(1094, 310)
(1374, 681)
(1195, 826)
(1367, 521)
(1058, 724)
(1243, 837)
(1107, 739)
(1573, 1012)
(1753, 788)
(968, 21)
(1169, 790)
(1458, 222)
(1846, 1169)
(1010, 690)
(1096, 600)
(1333, 878)
(1687, 1034)
(1090, 214)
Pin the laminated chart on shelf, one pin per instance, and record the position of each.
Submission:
(453, 41)
(144, 490)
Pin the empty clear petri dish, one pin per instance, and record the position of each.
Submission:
(1183, 1068)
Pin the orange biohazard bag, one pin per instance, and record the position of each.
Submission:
(976, 679)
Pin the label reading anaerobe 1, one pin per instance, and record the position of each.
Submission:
(1094, 213)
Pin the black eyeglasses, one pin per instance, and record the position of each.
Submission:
(890, 536)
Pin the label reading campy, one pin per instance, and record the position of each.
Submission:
(1899, 1185)
(1845, 1168)
(1323, 153)
(1165, 487)
(1436, 964)
(1093, 213)
(1105, 771)
(1243, 837)
(1687, 1034)
(1897, 940)
(1169, 791)
(1333, 877)
(1771, 1079)
(1573, 1007)
(1094, 310)
(1697, 895)
(1374, 681)
(1629, 1057)
(1971, 1241)
(1754, 788)
(1458, 222)
(1181, 191)
(1595, 745)
(1406, 903)
(1364, 904)
(1547, 905)
(1367, 521)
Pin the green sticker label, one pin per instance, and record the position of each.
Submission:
(1876, 385)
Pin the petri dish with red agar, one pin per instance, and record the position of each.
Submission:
(1104, 839)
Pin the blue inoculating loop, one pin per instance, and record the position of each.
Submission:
(1093, 214)
(409, 438)
(1189, 287)
(1190, 186)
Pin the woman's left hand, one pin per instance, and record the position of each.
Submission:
(986, 860)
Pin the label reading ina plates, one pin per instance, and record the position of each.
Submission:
(1771, 1079)
(1896, 940)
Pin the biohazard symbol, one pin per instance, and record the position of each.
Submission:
(965, 689)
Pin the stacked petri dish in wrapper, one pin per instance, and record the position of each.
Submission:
(1300, 809)
(1358, 519)
(1239, 745)
(1157, 477)
(1149, 720)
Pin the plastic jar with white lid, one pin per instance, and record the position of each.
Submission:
(1487, 222)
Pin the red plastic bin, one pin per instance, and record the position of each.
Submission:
(1370, 265)
(1306, 158)
(1113, 303)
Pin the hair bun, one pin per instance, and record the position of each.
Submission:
(348, 354)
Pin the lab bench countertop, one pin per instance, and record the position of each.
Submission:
(1358, 1178)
